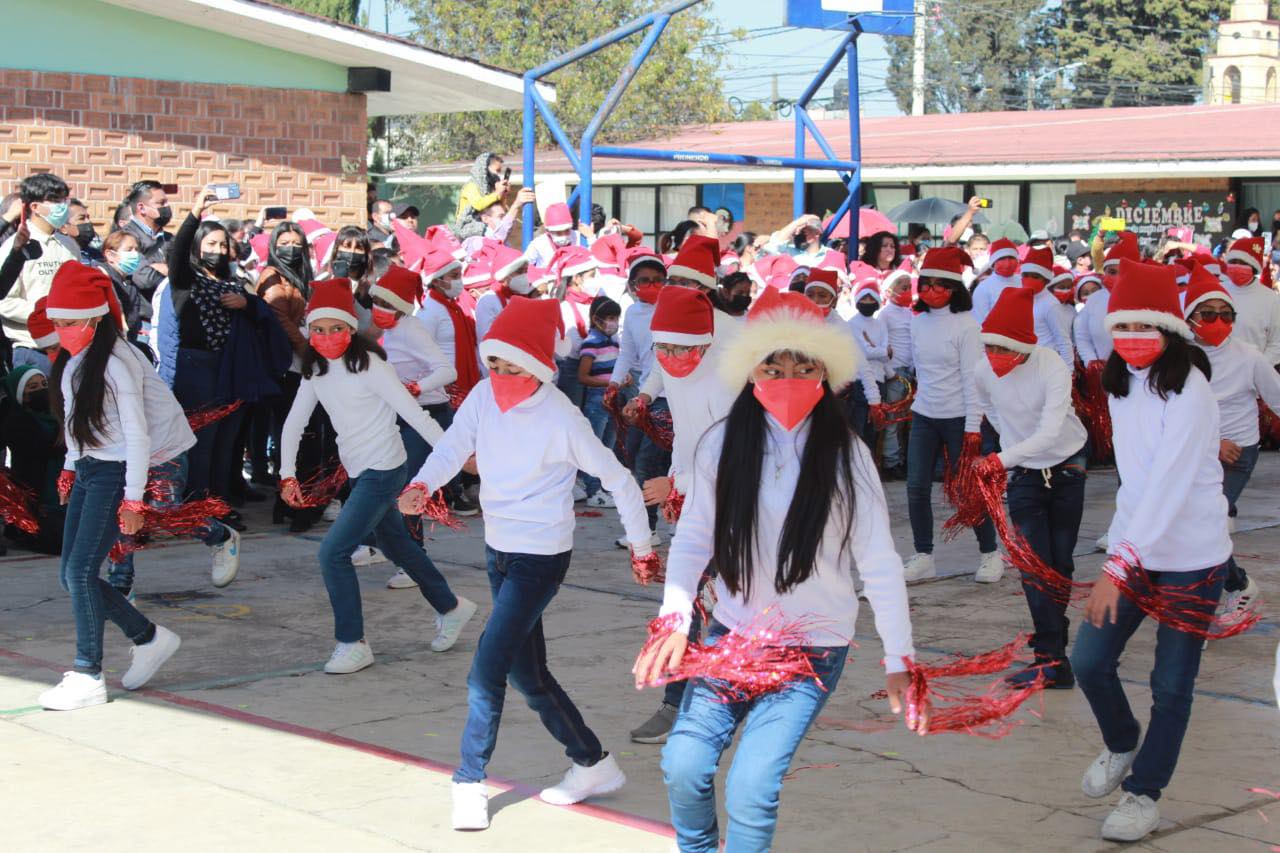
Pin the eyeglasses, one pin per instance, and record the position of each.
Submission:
(934, 286)
(1227, 316)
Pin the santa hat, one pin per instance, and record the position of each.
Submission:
(868, 287)
(525, 334)
(892, 279)
(477, 273)
(79, 292)
(1210, 263)
(834, 260)
(319, 236)
(571, 260)
(1125, 248)
(729, 263)
(1247, 251)
(641, 255)
(1012, 323)
(682, 316)
(697, 260)
(1061, 274)
(947, 262)
(437, 262)
(1002, 248)
(539, 276)
(331, 299)
(823, 279)
(1085, 278)
(1146, 293)
(1183, 268)
(781, 321)
(1039, 262)
(506, 262)
(610, 252)
(399, 288)
(39, 326)
(413, 249)
(1202, 287)
(558, 217)
(441, 237)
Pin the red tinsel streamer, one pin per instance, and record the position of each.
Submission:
(436, 510)
(899, 411)
(456, 395)
(953, 709)
(648, 569)
(957, 481)
(673, 506)
(16, 503)
(167, 522)
(201, 418)
(1091, 404)
(588, 513)
(613, 405)
(741, 666)
(66, 480)
(318, 489)
(656, 426)
(413, 388)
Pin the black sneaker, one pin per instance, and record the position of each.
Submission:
(1057, 675)
(465, 508)
(656, 728)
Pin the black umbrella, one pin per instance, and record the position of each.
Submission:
(931, 211)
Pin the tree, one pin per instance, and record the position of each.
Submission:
(346, 11)
(678, 84)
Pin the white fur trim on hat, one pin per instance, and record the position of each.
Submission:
(582, 266)
(476, 273)
(508, 270)
(680, 339)
(1205, 297)
(786, 330)
(76, 313)
(929, 272)
(822, 285)
(691, 274)
(391, 298)
(1008, 343)
(1036, 269)
(427, 278)
(1062, 276)
(653, 260)
(1159, 319)
(1002, 252)
(47, 341)
(29, 377)
(1110, 264)
(1244, 258)
(515, 355)
(332, 314)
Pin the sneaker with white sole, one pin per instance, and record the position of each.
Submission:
(919, 567)
(470, 805)
(450, 625)
(601, 500)
(76, 690)
(149, 657)
(991, 569)
(656, 728)
(367, 555)
(332, 511)
(655, 539)
(603, 777)
(226, 559)
(1236, 605)
(401, 580)
(348, 658)
(1101, 543)
(1106, 773)
(1133, 818)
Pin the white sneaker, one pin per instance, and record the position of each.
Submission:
(330, 513)
(1101, 543)
(450, 625)
(601, 500)
(401, 580)
(1106, 773)
(348, 658)
(367, 555)
(1133, 818)
(1236, 605)
(991, 569)
(655, 539)
(149, 657)
(579, 493)
(226, 560)
(470, 805)
(919, 567)
(603, 777)
(75, 690)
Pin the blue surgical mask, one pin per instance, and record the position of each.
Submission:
(58, 214)
(129, 261)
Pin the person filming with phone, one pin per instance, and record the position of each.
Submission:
(489, 182)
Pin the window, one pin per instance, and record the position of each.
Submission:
(1269, 94)
(1231, 85)
(655, 209)
(638, 207)
(1263, 195)
(1047, 206)
(887, 198)
(674, 204)
(1004, 203)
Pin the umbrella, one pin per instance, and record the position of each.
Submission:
(870, 221)
(931, 211)
(1011, 230)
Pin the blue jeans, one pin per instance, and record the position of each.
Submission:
(209, 463)
(567, 380)
(602, 425)
(1173, 678)
(928, 438)
(774, 726)
(169, 481)
(1047, 514)
(895, 389)
(651, 460)
(371, 508)
(512, 648)
(91, 529)
(1235, 476)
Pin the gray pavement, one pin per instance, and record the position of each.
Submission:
(241, 743)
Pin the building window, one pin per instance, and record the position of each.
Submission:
(655, 209)
(1231, 85)
(1005, 203)
(1046, 205)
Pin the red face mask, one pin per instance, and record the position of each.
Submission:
(935, 297)
(332, 345)
(1240, 274)
(903, 298)
(1034, 283)
(74, 339)
(1139, 349)
(1066, 297)
(1005, 267)
(1213, 332)
(789, 400)
(1003, 362)
(384, 319)
(648, 292)
(510, 389)
(682, 365)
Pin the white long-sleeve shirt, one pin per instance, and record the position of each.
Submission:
(897, 319)
(866, 373)
(570, 313)
(1030, 406)
(945, 348)
(827, 601)
(435, 317)
(363, 408)
(635, 344)
(1257, 318)
(1090, 331)
(1049, 329)
(989, 289)
(1241, 375)
(144, 425)
(1066, 321)
(1170, 507)
(872, 335)
(528, 458)
(697, 401)
(416, 357)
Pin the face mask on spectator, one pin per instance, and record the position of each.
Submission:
(128, 261)
(217, 263)
(350, 265)
(57, 213)
(85, 235)
(291, 255)
(244, 251)
(163, 215)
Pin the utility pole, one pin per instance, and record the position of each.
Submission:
(773, 96)
(917, 63)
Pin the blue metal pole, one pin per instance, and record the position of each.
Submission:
(825, 71)
(855, 138)
(557, 133)
(802, 116)
(609, 38)
(821, 140)
(530, 137)
(797, 180)
(624, 152)
(835, 219)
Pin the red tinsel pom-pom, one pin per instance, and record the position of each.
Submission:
(888, 414)
(673, 506)
(648, 569)
(437, 510)
(318, 489)
(66, 480)
(201, 418)
(16, 505)
(167, 522)
(413, 388)
(955, 709)
(958, 481)
(456, 395)
(613, 405)
(656, 426)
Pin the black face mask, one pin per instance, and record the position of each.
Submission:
(350, 265)
(38, 401)
(291, 255)
(243, 250)
(163, 215)
(217, 263)
(741, 302)
(866, 309)
(85, 235)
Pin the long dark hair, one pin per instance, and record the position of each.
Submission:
(89, 382)
(356, 358)
(961, 298)
(302, 276)
(204, 230)
(1168, 373)
(826, 472)
(871, 249)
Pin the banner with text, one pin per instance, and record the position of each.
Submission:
(1152, 215)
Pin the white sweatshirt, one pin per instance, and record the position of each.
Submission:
(488, 307)
(144, 425)
(529, 458)
(363, 408)
(1241, 375)
(945, 348)
(417, 358)
(872, 335)
(827, 602)
(1090, 331)
(866, 373)
(1030, 406)
(1067, 320)
(989, 289)
(897, 319)
(1257, 318)
(569, 312)
(697, 401)
(635, 344)
(1170, 507)
(1050, 331)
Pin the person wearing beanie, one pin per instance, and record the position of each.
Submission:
(1037, 271)
(350, 376)
(1171, 518)
(1257, 304)
(576, 287)
(30, 433)
(897, 290)
(1000, 274)
(595, 369)
(529, 522)
(945, 349)
(775, 565)
(1240, 377)
(1025, 391)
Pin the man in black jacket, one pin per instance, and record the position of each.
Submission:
(151, 213)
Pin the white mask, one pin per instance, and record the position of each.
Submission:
(520, 284)
(452, 289)
(560, 238)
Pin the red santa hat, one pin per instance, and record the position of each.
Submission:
(539, 276)
(79, 292)
(789, 322)
(834, 260)
(1125, 248)
(261, 245)
(1085, 278)
(1002, 248)
(1012, 323)
(822, 278)
(1039, 261)
(1247, 251)
(506, 262)
(477, 273)
(437, 262)
(441, 237)
(1146, 293)
(1183, 268)
(682, 316)
(1061, 274)
(697, 260)
(331, 299)
(400, 288)
(39, 327)
(893, 278)
(610, 252)
(571, 260)
(868, 287)
(947, 262)
(558, 217)
(525, 334)
(640, 255)
(1202, 287)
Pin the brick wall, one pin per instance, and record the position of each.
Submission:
(290, 147)
(767, 207)
(1155, 185)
